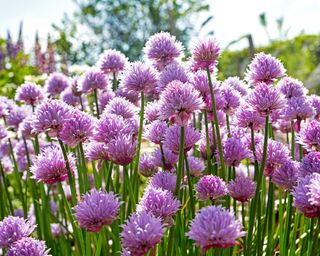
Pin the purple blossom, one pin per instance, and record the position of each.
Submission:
(298, 108)
(121, 107)
(196, 166)
(74, 86)
(315, 101)
(277, 155)
(201, 83)
(264, 68)
(178, 101)
(140, 77)
(97, 209)
(122, 149)
(156, 131)
(141, 232)
(50, 166)
(172, 138)
(310, 163)
(96, 151)
(246, 117)
(68, 97)
(3, 132)
(112, 62)
(314, 188)
(56, 83)
(211, 187)
(232, 99)
(242, 188)
(238, 85)
(132, 96)
(3, 109)
(12, 229)
(152, 111)
(16, 116)
(309, 136)
(56, 230)
(215, 227)
(93, 80)
(104, 97)
(234, 151)
(50, 117)
(170, 158)
(161, 203)
(291, 87)
(77, 129)
(164, 180)
(266, 99)
(30, 94)
(28, 246)
(205, 54)
(287, 175)
(163, 49)
(302, 197)
(146, 165)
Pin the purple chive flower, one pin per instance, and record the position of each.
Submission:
(163, 49)
(196, 166)
(205, 54)
(315, 101)
(4, 148)
(152, 111)
(110, 126)
(266, 99)
(28, 246)
(3, 109)
(96, 151)
(50, 167)
(112, 62)
(170, 158)
(146, 165)
(242, 189)
(201, 83)
(77, 129)
(232, 99)
(287, 175)
(68, 97)
(12, 229)
(164, 180)
(314, 188)
(264, 68)
(238, 85)
(50, 117)
(93, 80)
(104, 97)
(56, 83)
(178, 101)
(172, 138)
(56, 230)
(140, 77)
(132, 96)
(172, 72)
(277, 155)
(309, 136)
(219, 100)
(302, 197)
(211, 187)
(3, 132)
(161, 203)
(97, 209)
(141, 233)
(16, 116)
(215, 227)
(234, 151)
(122, 149)
(121, 107)
(30, 94)
(310, 163)
(74, 86)
(249, 118)
(298, 108)
(291, 88)
(156, 131)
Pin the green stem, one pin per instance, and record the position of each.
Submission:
(95, 92)
(190, 188)
(209, 167)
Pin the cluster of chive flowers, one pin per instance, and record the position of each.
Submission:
(121, 123)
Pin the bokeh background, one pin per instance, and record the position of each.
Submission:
(41, 36)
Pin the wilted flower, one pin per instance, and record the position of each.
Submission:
(291, 88)
(30, 94)
(56, 83)
(211, 187)
(146, 165)
(205, 54)
(93, 80)
(122, 149)
(287, 175)
(121, 107)
(141, 233)
(164, 180)
(28, 246)
(50, 166)
(97, 209)
(112, 61)
(242, 188)
(264, 68)
(163, 49)
(215, 227)
(172, 138)
(309, 136)
(12, 229)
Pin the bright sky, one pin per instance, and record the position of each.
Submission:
(232, 18)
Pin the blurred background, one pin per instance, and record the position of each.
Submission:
(42, 36)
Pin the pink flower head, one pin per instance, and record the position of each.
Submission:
(287, 175)
(112, 62)
(298, 108)
(170, 158)
(196, 166)
(156, 131)
(93, 80)
(242, 188)
(30, 94)
(291, 88)
(164, 180)
(56, 84)
(237, 84)
(147, 166)
(234, 151)
(122, 149)
(309, 136)
(310, 164)
(246, 117)
(211, 187)
(121, 107)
